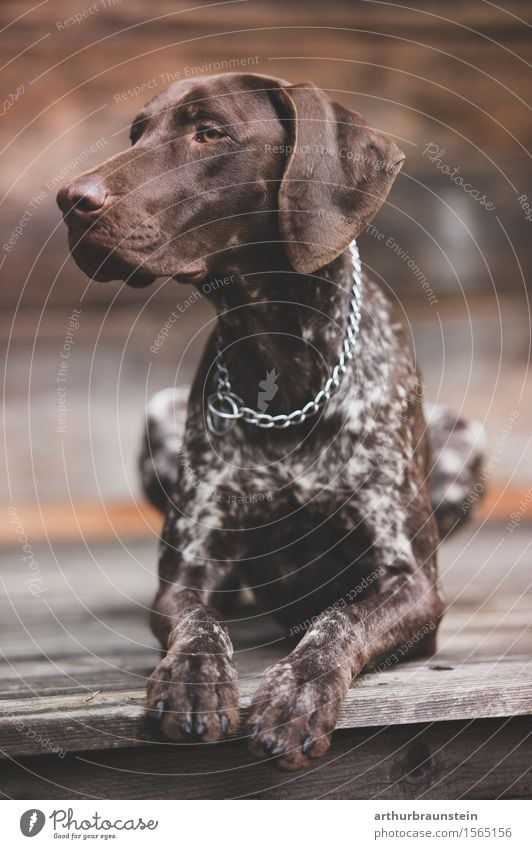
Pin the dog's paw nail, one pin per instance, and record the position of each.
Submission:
(224, 725)
(268, 746)
(307, 745)
(254, 730)
(159, 710)
(186, 727)
(199, 728)
(277, 750)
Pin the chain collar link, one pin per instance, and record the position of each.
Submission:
(225, 407)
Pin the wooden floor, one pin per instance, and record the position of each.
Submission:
(76, 656)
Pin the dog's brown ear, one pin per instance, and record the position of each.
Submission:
(337, 177)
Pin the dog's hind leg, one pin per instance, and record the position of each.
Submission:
(165, 419)
(457, 450)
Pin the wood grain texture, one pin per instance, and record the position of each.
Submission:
(133, 519)
(74, 669)
(483, 759)
(110, 713)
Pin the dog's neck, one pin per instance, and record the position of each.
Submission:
(283, 327)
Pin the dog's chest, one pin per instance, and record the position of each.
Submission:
(325, 471)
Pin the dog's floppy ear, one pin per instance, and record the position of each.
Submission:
(337, 176)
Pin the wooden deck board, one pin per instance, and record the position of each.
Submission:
(103, 706)
(74, 666)
(481, 759)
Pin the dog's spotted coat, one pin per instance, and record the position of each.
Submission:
(344, 548)
(343, 506)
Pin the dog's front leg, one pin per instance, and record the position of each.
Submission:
(295, 709)
(193, 691)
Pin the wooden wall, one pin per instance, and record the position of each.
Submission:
(454, 75)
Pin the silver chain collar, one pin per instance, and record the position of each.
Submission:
(225, 407)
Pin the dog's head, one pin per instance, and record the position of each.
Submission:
(221, 163)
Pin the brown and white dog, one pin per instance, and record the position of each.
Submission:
(253, 180)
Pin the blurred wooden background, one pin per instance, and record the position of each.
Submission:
(455, 75)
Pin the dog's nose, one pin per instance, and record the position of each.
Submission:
(86, 196)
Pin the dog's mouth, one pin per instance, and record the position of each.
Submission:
(103, 263)
(136, 260)
(107, 266)
(107, 250)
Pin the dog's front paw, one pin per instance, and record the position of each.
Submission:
(193, 693)
(294, 713)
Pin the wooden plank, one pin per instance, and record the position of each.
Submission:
(496, 627)
(137, 519)
(274, 12)
(483, 759)
(79, 674)
(90, 520)
(36, 676)
(113, 715)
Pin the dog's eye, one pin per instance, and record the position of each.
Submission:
(137, 128)
(208, 135)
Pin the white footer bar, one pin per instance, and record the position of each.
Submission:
(257, 824)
